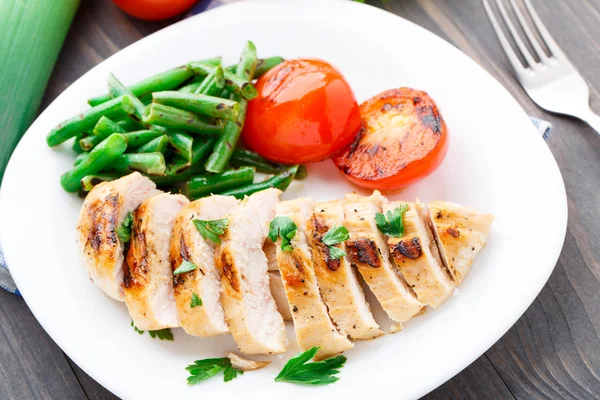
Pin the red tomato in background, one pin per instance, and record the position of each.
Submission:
(305, 112)
(154, 10)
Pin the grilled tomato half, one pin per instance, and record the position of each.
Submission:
(402, 140)
(305, 112)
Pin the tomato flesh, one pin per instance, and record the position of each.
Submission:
(305, 112)
(402, 140)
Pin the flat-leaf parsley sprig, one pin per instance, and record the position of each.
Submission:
(201, 370)
(286, 229)
(334, 236)
(393, 225)
(299, 370)
(162, 334)
(211, 230)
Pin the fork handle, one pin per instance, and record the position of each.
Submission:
(593, 120)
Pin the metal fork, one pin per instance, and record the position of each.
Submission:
(553, 83)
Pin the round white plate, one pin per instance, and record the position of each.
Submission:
(497, 162)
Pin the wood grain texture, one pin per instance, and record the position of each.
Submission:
(552, 352)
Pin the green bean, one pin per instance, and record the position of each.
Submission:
(89, 142)
(101, 156)
(76, 147)
(157, 145)
(173, 118)
(116, 89)
(242, 157)
(106, 127)
(115, 108)
(199, 104)
(191, 88)
(280, 181)
(147, 163)
(219, 159)
(232, 81)
(130, 124)
(213, 84)
(137, 139)
(89, 181)
(80, 158)
(263, 65)
(201, 148)
(182, 144)
(203, 185)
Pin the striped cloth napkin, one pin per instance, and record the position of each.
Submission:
(6, 281)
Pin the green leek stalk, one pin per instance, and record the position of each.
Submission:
(32, 33)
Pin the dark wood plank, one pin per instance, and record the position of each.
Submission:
(32, 366)
(93, 390)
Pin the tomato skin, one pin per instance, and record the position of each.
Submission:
(402, 140)
(154, 10)
(305, 112)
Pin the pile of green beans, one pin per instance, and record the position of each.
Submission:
(180, 128)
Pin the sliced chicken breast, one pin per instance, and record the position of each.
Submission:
(250, 310)
(149, 278)
(369, 252)
(460, 232)
(337, 280)
(416, 255)
(278, 293)
(271, 253)
(103, 211)
(187, 244)
(312, 324)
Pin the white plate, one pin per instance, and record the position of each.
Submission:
(497, 162)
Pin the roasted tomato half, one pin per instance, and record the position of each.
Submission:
(403, 139)
(305, 112)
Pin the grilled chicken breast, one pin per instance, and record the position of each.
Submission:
(250, 310)
(369, 252)
(460, 232)
(339, 286)
(103, 211)
(148, 278)
(416, 255)
(205, 281)
(312, 323)
(278, 293)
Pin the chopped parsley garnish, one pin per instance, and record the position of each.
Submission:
(299, 370)
(124, 231)
(392, 225)
(204, 369)
(186, 266)
(285, 228)
(335, 236)
(195, 301)
(162, 334)
(210, 230)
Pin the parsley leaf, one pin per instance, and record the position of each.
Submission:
(210, 230)
(335, 236)
(195, 301)
(298, 370)
(285, 228)
(124, 231)
(163, 334)
(185, 266)
(204, 369)
(392, 225)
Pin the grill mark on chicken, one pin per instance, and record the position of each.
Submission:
(407, 248)
(453, 232)
(319, 230)
(229, 270)
(363, 251)
(138, 264)
(104, 214)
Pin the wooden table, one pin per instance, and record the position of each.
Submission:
(553, 351)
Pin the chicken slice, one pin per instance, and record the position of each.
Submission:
(250, 310)
(103, 211)
(278, 292)
(148, 278)
(313, 325)
(416, 255)
(205, 281)
(271, 253)
(337, 280)
(460, 233)
(370, 254)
